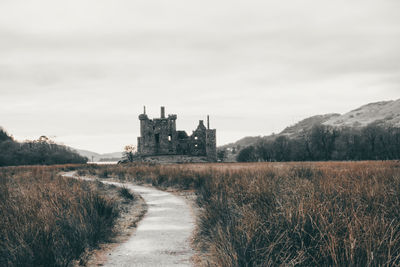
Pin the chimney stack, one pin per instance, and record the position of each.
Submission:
(208, 122)
(162, 112)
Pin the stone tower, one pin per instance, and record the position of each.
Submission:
(157, 136)
(211, 142)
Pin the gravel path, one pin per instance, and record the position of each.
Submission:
(162, 237)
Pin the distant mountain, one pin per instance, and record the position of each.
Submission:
(291, 131)
(115, 156)
(246, 141)
(384, 113)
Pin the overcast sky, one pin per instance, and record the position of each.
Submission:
(80, 71)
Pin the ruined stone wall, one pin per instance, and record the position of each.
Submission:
(198, 141)
(160, 137)
(211, 144)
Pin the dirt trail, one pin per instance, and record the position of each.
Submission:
(162, 238)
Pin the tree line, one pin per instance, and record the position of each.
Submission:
(38, 152)
(324, 143)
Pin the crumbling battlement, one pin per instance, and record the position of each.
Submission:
(160, 137)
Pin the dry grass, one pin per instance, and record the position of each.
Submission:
(304, 214)
(125, 193)
(48, 220)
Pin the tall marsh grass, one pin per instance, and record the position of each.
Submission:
(48, 220)
(296, 214)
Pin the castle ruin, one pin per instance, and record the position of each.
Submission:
(159, 137)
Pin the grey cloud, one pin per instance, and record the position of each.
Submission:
(255, 66)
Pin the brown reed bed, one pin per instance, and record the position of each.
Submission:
(296, 214)
(48, 220)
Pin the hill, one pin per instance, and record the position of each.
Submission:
(37, 152)
(291, 131)
(306, 124)
(384, 114)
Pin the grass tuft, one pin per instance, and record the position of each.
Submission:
(125, 193)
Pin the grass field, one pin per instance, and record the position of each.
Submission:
(303, 214)
(251, 214)
(48, 220)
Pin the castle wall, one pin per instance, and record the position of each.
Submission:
(211, 144)
(198, 141)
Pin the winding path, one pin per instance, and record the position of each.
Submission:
(162, 238)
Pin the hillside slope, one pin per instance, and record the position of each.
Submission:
(306, 124)
(385, 113)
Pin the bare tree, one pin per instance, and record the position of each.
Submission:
(129, 153)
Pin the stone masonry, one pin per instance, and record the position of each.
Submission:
(160, 137)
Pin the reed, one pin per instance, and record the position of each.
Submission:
(48, 220)
(303, 214)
